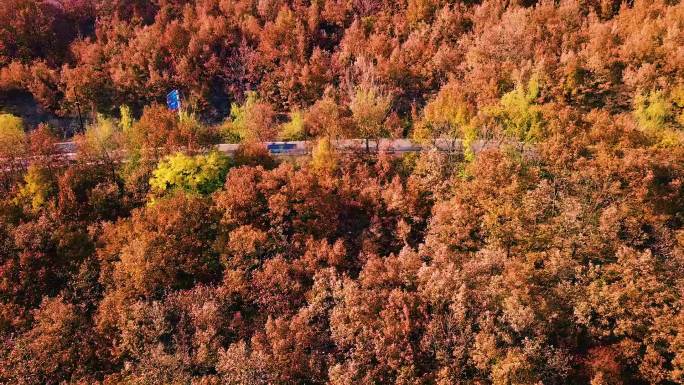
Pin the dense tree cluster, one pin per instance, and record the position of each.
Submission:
(553, 256)
(561, 264)
(380, 62)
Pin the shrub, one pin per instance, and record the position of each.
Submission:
(660, 116)
(369, 108)
(126, 121)
(517, 113)
(101, 138)
(448, 115)
(253, 120)
(37, 188)
(12, 136)
(326, 118)
(294, 129)
(155, 132)
(201, 174)
(254, 154)
(652, 111)
(323, 156)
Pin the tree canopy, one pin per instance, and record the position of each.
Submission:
(548, 250)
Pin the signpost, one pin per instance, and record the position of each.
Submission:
(173, 100)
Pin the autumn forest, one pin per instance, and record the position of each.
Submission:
(552, 255)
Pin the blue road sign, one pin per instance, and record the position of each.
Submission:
(173, 100)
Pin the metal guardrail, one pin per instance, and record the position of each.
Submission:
(68, 151)
(360, 145)
(295, 148)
